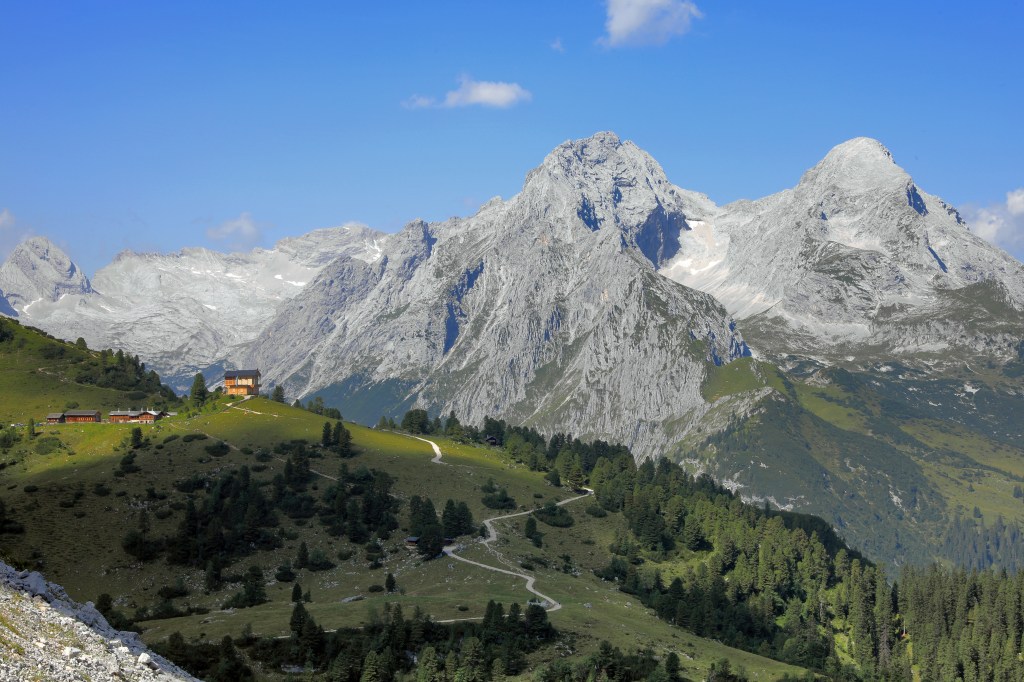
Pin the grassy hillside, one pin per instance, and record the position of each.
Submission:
(40, 374)
(79, 490)
(893, 457)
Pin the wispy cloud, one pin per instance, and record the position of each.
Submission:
(11, 233)
(1001, 224)
(557, 45)
(470, 92)
(1015, 202)
(647, 22)
(238, 234)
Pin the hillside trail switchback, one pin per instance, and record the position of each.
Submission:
(492, 535)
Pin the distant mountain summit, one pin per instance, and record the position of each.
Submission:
(856, 262)
(194, 310)
(38, 271)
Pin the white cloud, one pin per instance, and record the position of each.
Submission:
(239, 233)
(557, 46)
(11, 233)
(470, 92)
(1015, 201)
(647, 22)
(418, 102)
(1000, 224)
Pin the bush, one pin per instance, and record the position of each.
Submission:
(499, 500)
(553, 515)
(376, 588)
(189, 437)
(597, 511)
(171, 437)
(48, 445)
(218, 449)
(318, 561)
(137, 545)
(31, 488)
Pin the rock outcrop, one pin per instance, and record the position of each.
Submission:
(47, 636)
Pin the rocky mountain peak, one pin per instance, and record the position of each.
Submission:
(601, 189)
(39, 270)
(858, 166)
(601, 158)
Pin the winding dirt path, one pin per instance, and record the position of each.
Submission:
(492, 535)
(437, 450)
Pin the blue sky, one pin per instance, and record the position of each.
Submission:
(154, 126)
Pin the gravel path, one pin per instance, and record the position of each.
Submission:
(492, 535)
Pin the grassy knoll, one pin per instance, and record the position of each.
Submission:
(745, 374)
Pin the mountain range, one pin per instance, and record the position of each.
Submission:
(782, 344)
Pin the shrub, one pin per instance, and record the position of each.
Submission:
(376, 588)
(218, 449)
(189, 437)
(48, 445)
(171, 437)
(553, 515)
(499, 500)
(597, 511)
(31, 488)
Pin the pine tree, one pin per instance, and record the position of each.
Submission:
(530, 529)
(429, 668)
(277, 395)
(373, 669)
(883, 618)
(390, 583)
(327, 437)
(296, 593)
(342, 439)
(199, 392)
(302, 558)
(299, 617)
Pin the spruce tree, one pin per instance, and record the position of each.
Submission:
(199, 392)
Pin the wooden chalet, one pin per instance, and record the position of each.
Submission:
(136, 416)
(55, 418)
(80, 416)
(242, 382)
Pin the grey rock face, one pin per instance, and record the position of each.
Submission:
(49, 636)
(37, 271)
(546, 309)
